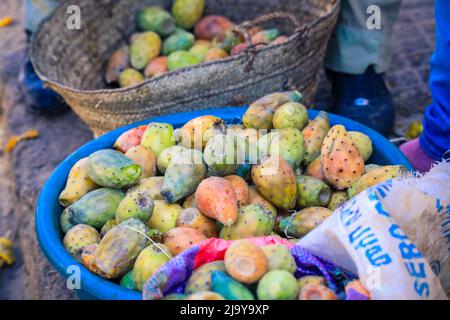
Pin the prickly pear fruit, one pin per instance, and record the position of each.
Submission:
(117, 63)
(217, 199)
(315, 169)
(130, 78)
(338, 198)
(156, 235)
(165, 215)
(289, 144)
(193, 218)
(356, 291)
(157, 67)
(279, 258)
(301, 223)
(190, 202)
(200, 51)
(316, 292)
(175, 296)
(278, 285)
(130, 139)
(148, 262)
(227, 40)
(316, 280)
(144, 157)
(342, 164)
(187, 12)
(65, 222)
(156, 19)
(184, 173)
(127, 281)
(275, 180)
(111, 169)
(207, 295)
(312, 192)
(265, 36)
(246, 262)
(179, 40)
(260, 113)
(78, 238)
(166, 156)
(280, 40)
(375, 177)
(241, 189)
(224, 154)
(136, 204)
(254, 220)
(250, 134)
(214, 54)
(201, 278)
(211, 26)
(314, 134)
(182, 238)
(197, 132)
(181, 59)
(152, 186)
(256, 198)
(96, 208)
(78, 184)
(370, 167)
(108, 226)
(363, 143)
(144, 48)
(88, 254)
(119, 248)
(291, 115)
(157, 137)
(229, 288)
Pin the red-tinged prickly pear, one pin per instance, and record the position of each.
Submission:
(200, 280)
(182, 238)
(117, 63)
(301, 223)
(307, 280)
(190, 202)
(253, 221)
(144, 157)
(256, 198)
(312, 192)
(157, 67)
(260, 113)
(217, 199)
(356, 290)
(241, 189)
(370, 167)
(280, 40)
(314, 134)
(88, 254)
(78, 184)
(165, 215)
(246, 262)
(280, 258)
(275, 180)
(316, 292)
(211, 26)
(375, 177)
(119, 248)
(156, 19)
(197, 132)
(79, 237)
(184, 173)
(157, 137)
(108, 226)
(208, 295)
(265, 36)
(278, 285)
(338, 198)
(289, 144)
(148, 262)
(127, 281)
(291, 115)
(152, 186)
(65, 222)
(229, 288)
(315, 170)
(145, 47)
(166, 156)
(136, 204)
(130, 139)
(96, 208)
(363, 143)
(112, 169)
(193, 218)
(130, 78)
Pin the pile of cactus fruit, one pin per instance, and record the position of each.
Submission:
(170, 41)
(160, 189)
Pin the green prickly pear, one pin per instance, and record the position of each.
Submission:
(280, 258)
(363, 143)
(165, 215)
(108, 226)
(254, 220)
(291, 115)
(301, 223)
(179, 40)
(96, 208)
(158, 136)
(201, 278)
(145, 47)
(79, 237)
(229, 288)
(111, 169)
(130, 77)
(148, 262)
(119, 248)
(152, 186)
(375, 177)
(166, 156)
(136, 204)
(183, 175)
(278, 285)
(127, 281)
(65, 222)
(312, 192)
(314, 134)
(260, 113)
(290, 145)
(156, 19)
(338, 198)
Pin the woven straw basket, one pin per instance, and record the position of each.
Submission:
(72, 62)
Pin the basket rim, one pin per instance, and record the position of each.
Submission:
(305, 31)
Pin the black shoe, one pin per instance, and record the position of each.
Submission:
(364, 98)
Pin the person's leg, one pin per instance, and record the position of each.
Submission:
(356, 59)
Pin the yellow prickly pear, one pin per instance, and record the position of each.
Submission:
(79, 237)
(166, 156)
(130, 77)
(152, 186)
(181, 238)
(312, 192)
(136, 204)
(192, 217)
(187, 12)
(314, 134)
(256, 198)
(144, 157)
(301, 223)
(338, 198)
(197, 132)
(145, 47)
(280, 258)
(291, 115)
(157, 137)
(363, 143)
(165, 215)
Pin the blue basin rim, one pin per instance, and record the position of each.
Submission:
(48, 209)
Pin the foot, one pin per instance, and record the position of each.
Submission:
(364, 98)
(416, 156)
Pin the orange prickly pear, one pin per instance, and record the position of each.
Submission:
(157, 137)
(338, 198)
(201, 278)
(88, 254)
(119, 61)
(301, 223)
(197, 132)
(260, 113)
(78, 238)
(240, 188)
(256, 198)
(215, 54)
(278, 285)
(275, 180)
(315, 170)
(217, 199)
(314, 134)
(182, 238)
(363, 143)
(316, 292)
(156, 67)
(144, 157)
(312, 192)
(192, 217)
(130, 139)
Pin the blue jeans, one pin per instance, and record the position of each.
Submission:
(435, 140)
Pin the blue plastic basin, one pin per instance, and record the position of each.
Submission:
(48, 209)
